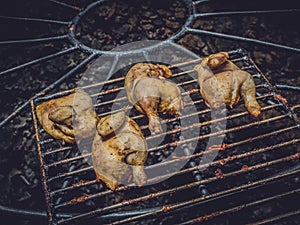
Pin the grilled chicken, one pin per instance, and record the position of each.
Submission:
(119, 150)
(150, 93)
(222, 82)
(68, 117)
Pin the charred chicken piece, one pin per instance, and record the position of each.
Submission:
(119, 150)
(68, 117)
(222, 82)
(150, 93)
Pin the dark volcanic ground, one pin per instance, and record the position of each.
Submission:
(118, 23)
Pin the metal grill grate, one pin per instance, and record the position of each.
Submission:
(255, 154)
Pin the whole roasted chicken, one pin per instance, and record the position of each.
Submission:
(119, 151)
(222, 82)
(150, 93)
(68, 117)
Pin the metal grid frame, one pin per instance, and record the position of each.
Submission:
(277, 101)
(266, 93)
(94, 53)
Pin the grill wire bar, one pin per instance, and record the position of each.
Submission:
(272, 102)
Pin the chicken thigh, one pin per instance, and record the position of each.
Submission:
(222, 82)
(68, 117)
(150, 93)
(119, 150)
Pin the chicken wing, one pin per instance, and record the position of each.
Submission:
(150, 92)
(222, 82)
(68, 117)
(119, 150)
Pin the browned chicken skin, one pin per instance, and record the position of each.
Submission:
(222, 82)
(150, 93)
(68, 117)
(119, 151)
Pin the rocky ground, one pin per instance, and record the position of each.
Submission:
(111, 25)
